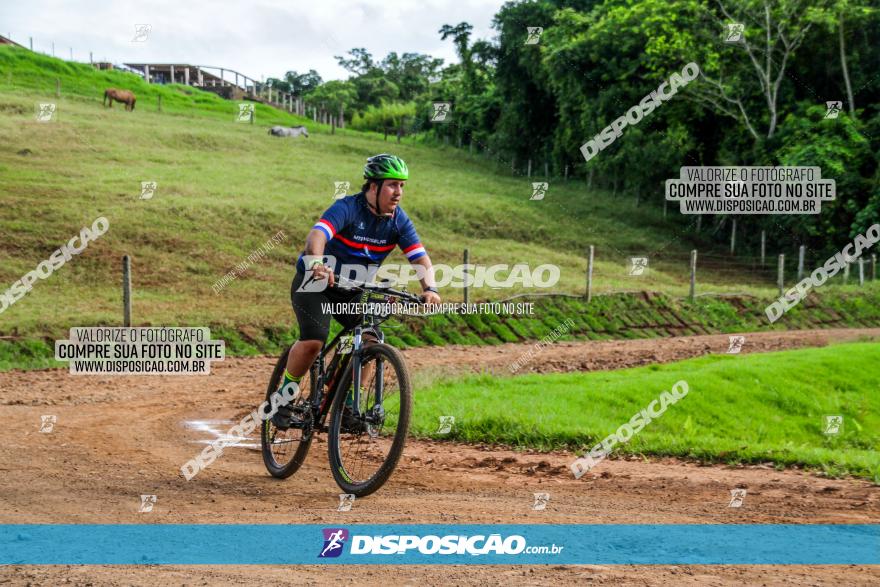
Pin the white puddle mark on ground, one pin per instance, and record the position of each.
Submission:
(211, 430)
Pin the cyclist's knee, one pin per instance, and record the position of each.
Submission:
(309, 346)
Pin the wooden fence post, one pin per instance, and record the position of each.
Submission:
(566, 173)
(590, 274)
(57, 87)
(159, 103)
(733, 237)
(781, 277)
(546, 170)
(763, 245)
(846, 273)
(126, 291)
(861, 271)
(801, 252)
(693, 292)
(529, 172)
(466, 258)
(873, 267)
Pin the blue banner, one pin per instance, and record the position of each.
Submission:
(607, 544)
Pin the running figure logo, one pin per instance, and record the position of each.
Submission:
(734, 32)
(638, 265)
(735, 344)
(334, 540)
(148, 189)
(737, 496)
(346, 344)
(346, 500)
(147, 502)
(45, 112)
(441, 111)
(541, 500)
(833, 425)
(539, 190)
(312, 283)
(245, 113)
(141, 33)
(342, 188)
(446, 424)
(47, 423)
(534, 35)
(833, 108)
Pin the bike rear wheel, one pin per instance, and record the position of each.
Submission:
(284, 451)
(364, 454)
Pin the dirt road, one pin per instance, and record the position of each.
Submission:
(117, 438)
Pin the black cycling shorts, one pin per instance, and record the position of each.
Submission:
(314, 323)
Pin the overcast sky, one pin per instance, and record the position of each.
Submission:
(256, 37)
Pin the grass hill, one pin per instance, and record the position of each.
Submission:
(224, 188)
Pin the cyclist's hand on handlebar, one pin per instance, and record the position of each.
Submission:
(324, 272)
(429, 297)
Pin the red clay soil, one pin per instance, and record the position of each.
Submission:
(119, 437)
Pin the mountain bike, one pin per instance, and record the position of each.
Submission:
(368, 423)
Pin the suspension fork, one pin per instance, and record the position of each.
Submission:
(357, 368)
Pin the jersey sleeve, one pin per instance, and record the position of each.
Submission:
(409, 241)
(334, 219)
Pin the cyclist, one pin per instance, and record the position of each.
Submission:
(358, 230)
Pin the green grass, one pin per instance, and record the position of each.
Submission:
(226, 187)
(740, 409)
(606, 317)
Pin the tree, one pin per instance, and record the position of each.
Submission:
(333, 96)
(834, 18)
(385, 117)
(360, 63)
(302, 83)
(410, 72)
(461, 34)
(278, 84)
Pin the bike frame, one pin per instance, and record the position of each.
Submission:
(334, 373)
(369, 324)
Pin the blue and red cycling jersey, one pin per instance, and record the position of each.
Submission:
(356, 236)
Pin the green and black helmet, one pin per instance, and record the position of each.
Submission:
(385, 166)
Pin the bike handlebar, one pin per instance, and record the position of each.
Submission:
(372, 287)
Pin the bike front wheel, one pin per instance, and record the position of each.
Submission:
(364, 451)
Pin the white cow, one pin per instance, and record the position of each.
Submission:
(285, 131)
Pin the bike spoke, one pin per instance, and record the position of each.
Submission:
(283, 444)
(362, 454)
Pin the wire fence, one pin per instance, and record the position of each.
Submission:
(718, 274)
(685, 274)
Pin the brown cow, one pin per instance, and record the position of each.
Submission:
(124, 96)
